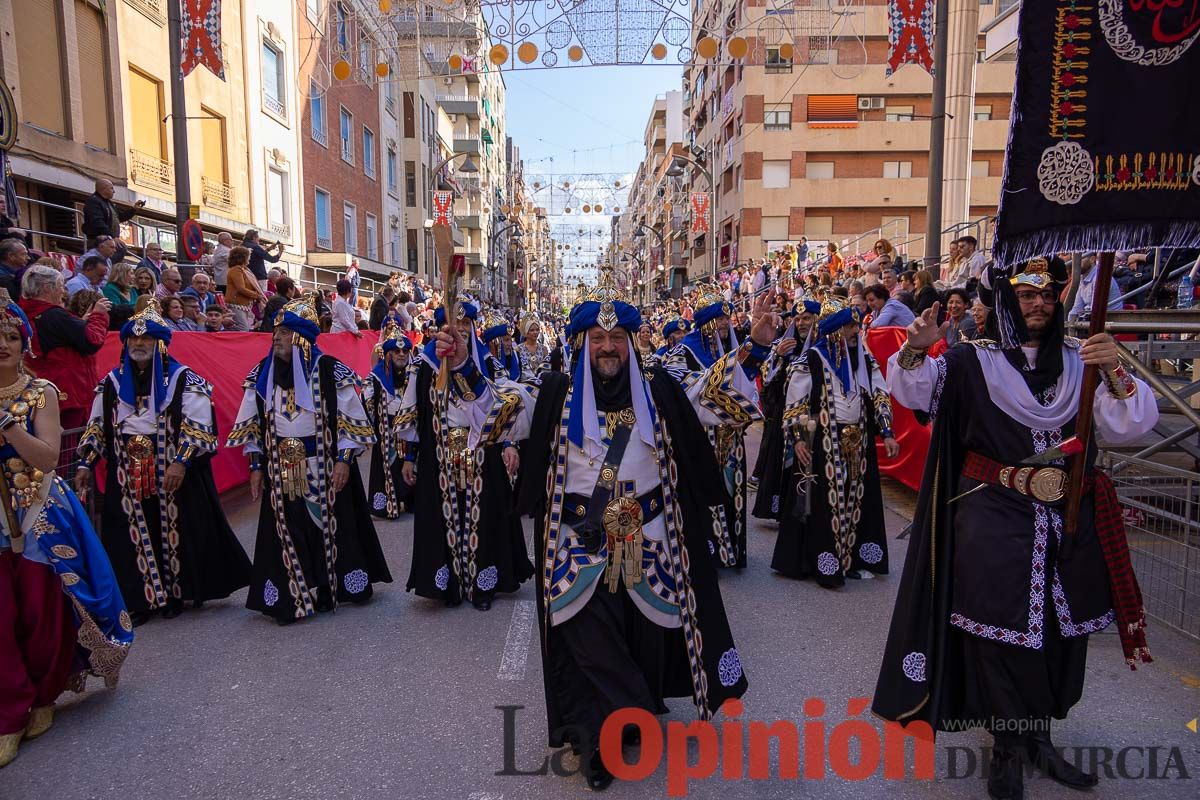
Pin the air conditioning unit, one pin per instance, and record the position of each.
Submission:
(453, 118)
(448, 81)
(877, 103)
(864, 104)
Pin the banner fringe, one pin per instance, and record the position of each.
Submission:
(1183, 233)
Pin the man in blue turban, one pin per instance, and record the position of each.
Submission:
(711, 338)
(774, 458)
(467, 543)
(619, 479)
(163, 525)
(831, 514)
(302, 426)
(498, 336)
(382, 397)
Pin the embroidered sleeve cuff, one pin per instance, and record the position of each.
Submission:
(1120, 383)
(468, 381)
(186, 454)
(256, 464)
(346, 455)
(751, 355)
(910, 357)
(410, 453)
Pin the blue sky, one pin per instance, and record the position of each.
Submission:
(588, 120)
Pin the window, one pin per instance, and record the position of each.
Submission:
(277, 199)
(346, 133)
(818, 227)
(393, 179)
(317, 124)
(898, 113)
(776, 174)
(364, 59)
(350, 227)
(897, 169)
(979, 169)
(833, 111)
(343, 27)
(983, 113)
(776, 63)
(394, 248)
(212, 135)
(411, 242)
(410, 184)
(372, 237)
(368, 152)
(313, 7)
(146, 110)
(324, 223)
(819, 170)
(273, 79)
(92, 39)
(777, 117)
(774, 229)
(39, 57)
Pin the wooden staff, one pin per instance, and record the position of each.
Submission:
(1087, 399)
(443, 244)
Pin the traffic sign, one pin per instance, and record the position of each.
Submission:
(193, 239)
(193, 212)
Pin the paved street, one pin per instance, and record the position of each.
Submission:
(397, 699)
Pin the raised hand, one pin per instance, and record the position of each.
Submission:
(764, 323)
(451, 345)
(924, 331)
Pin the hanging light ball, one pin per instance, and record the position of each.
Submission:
(527, 52)
(385, 6)
(455, 62)
(575, 53)
(786, 51)
(498, 54)
(587, 209)
(659, 51)
(707, 47)
(382, 69)
(341, 69)
(737, 47)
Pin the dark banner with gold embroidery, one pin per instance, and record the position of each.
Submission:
(1104, 149)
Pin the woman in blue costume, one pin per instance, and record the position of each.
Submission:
(61, 614)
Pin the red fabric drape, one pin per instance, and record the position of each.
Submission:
(224, 359)
(912, 436)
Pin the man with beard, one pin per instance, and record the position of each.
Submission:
(831, 510)
(998, 632)
(303, 426)
(382, 396)
(775, 458)
(618, 478)
(498, 336)
(711, 339)
(467, 543)
(163, 526)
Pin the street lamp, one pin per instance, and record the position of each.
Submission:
(698, 160)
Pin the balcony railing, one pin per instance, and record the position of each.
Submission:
(216, 194)
(151, 8)
(320, 136)
(274, 105)
(284, 232)
(150, 171)
(325, 242)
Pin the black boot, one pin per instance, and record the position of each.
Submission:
(1006, 779)
(1045, 756)
(173, 609)
(598, 776)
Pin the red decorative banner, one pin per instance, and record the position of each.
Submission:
(910, 34)
(442, 201)
(699, 212)
(200, 36)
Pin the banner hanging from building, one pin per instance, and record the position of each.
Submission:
(1081, 173)
(699, 212)
(200, 36)
(910, 34)
(442, 201)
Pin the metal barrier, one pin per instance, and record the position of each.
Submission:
(68, 462)
(1161, 506)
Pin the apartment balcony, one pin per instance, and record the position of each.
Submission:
(151, 171)
(472, 221)
(436, 29)
(471, 146)
(217, 194)
(154, 9)
(460, 104)
(281, 231)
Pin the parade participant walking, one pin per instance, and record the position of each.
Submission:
(775, 456)
(61, 613)
(303, 427)
(534, 354)
(999, 631)
(382, 394)
(619, 480)
(672, 332)
(163, 525)
(467, 543)
(498, 336)
(831, 511)
(711, 339)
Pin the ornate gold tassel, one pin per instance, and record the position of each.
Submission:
(633, 560)
(616, 557)
(141, 466)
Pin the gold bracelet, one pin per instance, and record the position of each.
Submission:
(1120, 383)
(910, 357)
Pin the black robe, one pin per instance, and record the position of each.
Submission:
(769, 469)
(584, 681)
(501, 541)
(996, 557)
(212, 563)
(804, 546)
(385, 503)
(360, 561)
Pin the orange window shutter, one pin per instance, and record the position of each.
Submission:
(833, 111)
